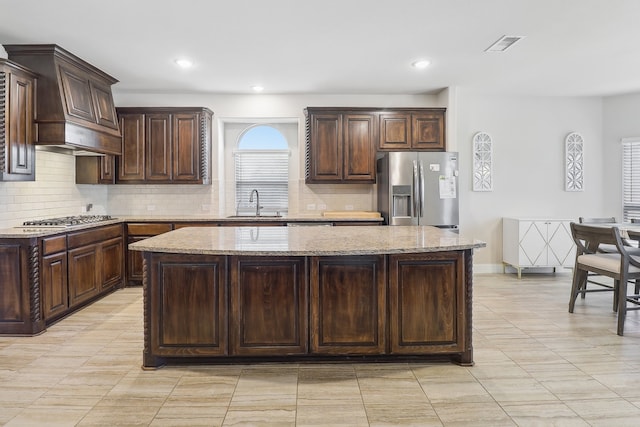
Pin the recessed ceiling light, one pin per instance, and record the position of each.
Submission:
(420, 64)
(503, 43)
(183, 63)
(257, 88)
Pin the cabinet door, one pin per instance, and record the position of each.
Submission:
(158, 139)
(135, 262)
(325, 155)
(112, 271)
(188, 312)
(532, 243)
(560, 245)
(428, 131)
(55, 293)
(84, 274)
(107, 170)
(77, 94)
(105, 110)
(268, 306)
(19, 150)
(348, 305)
(131, 163)
(359, 147)
(427, 303)
(395, 131)
(186, 148)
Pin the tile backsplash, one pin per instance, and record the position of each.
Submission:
(55, 193)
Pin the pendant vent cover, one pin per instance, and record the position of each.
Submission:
(504, 43)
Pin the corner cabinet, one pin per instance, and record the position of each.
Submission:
(528, 243)
(416, 129)
(17, 128)
(340, 146)
(165, 146)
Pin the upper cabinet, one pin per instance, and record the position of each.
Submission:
(340, 146)
(74, 105)
(165, 145)
(419, 129)
(17, 129)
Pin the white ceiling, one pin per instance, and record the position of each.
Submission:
(571, 47)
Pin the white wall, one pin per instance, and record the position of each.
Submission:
(621, 120)
(528, 134)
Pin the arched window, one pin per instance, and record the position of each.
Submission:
(262, 164)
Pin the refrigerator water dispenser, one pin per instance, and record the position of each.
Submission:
(401, 201)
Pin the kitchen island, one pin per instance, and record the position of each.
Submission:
(244, 294)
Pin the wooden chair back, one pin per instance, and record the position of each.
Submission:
(606, 220)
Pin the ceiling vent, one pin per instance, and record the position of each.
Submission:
(503, 43)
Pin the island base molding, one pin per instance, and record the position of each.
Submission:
(224, 309)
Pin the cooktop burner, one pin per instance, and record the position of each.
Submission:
(67, 221)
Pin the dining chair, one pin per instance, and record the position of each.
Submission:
(621, 266)
(601, 248)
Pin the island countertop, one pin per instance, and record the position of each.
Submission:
(306, 241)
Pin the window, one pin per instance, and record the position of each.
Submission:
(630, 179)
(262, 164)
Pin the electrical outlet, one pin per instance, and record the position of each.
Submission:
(311, 207)
(322, 207)
(151, 207)
(205, 207)
(348, 207)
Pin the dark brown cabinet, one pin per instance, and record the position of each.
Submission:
(165, 145)
(427, 301)
(55, 291)
(135, 233)
(348, 305)
(340, 146)
(404, 129)
(268, 313)
(95, 170)
(188, 298)
(96, 262)
(17, 129)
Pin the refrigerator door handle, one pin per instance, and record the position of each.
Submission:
(421, 184)
(416, 191)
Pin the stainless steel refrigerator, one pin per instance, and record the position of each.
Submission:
(418, 188)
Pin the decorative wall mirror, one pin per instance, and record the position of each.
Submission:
(482, 162)
(574, 162)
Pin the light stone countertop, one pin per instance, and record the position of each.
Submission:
(306, 241)
(28, 232)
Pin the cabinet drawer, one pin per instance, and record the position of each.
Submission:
(143, 229)
(86, 237)
(51, 245)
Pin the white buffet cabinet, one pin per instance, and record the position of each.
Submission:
(537, 242)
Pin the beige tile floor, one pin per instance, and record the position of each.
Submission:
(536, 365)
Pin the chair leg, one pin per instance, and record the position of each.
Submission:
(579, 281)
(637, 288)
(584, 287)
(616, 296)
(622, 304)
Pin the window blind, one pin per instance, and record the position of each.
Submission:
(630, 180)
(266, 171)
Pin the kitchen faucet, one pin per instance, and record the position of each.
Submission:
(258, 207)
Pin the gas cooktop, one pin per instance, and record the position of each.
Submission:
(67, 221)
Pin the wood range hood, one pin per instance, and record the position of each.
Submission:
(75, 112)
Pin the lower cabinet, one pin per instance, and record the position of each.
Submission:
(188, 306)
(268, 313)
(44, 279)
(135, 233)
(305, 307)
(426, 303)
(55, 292)
(95, 260)
(348, 304)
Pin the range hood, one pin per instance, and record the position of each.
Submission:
(75, 112)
